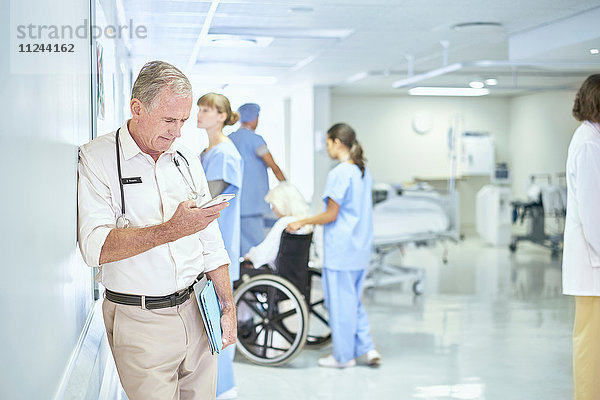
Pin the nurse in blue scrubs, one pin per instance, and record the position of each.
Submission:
(257, 159)
(224, 169)
(348, 237)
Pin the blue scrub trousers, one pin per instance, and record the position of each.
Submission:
(350, 330)
(225, 379)
(252, 232)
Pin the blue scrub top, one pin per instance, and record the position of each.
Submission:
(256, 180)
(223, 162)
(347, 241)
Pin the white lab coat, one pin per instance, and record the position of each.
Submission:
(581, 250)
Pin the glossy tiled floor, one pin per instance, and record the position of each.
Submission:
(490, 325)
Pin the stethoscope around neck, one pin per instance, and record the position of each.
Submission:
(122, 220)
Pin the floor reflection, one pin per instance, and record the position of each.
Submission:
(490, 325)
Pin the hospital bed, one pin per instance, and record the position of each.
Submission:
(403, 217)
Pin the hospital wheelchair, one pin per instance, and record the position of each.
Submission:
(545, 201)
(280, 311)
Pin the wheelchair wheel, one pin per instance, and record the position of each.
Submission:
(318, 322)
(272, 320)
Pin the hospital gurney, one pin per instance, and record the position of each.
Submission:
(419, 217)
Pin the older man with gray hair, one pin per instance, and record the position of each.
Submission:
(138, 222)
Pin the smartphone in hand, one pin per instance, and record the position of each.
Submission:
(217, 200)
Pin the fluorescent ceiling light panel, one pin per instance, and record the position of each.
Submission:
(357, 77)
(239, 41)
(428, 75)
(491, 82)
(303, 63)
(292, 33)
(476, 84)
(412, 80)
(447, 91)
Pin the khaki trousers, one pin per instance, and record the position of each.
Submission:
(161, 354)
(586, 349)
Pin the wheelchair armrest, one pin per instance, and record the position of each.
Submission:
(247, 270)
(248, 265)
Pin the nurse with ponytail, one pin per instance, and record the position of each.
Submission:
(348, 237)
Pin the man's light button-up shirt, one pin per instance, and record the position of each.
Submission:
(166, 268)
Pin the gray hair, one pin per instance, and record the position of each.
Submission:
(288, 201)
(156, 75)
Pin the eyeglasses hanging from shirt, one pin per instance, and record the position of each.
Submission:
(122, 221)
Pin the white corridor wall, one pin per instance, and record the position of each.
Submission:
(396, 154)
(541, 127)
(46, 290)
(532, 133)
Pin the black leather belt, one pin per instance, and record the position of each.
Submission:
(152, 302)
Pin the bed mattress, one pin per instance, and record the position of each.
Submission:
(406, 218)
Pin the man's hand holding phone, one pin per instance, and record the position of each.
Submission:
(189, 219)
(222, 198)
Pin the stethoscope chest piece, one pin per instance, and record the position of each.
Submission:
(122, 222)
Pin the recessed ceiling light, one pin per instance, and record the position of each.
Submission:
(477, 25)
(491, 82)
(447, 91)
(594, 51)
(476, 84)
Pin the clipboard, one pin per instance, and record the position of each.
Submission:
(210, 309)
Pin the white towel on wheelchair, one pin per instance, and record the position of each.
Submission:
(407, 218)
(266, 251)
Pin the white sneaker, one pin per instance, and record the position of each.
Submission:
(373, 358)
(229, 394)
(331, 362)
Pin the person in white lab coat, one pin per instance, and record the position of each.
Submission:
(581, 252)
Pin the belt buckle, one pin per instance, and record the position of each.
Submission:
(173, 299)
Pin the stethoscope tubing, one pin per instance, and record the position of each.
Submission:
(124, 221)
(117, 142)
